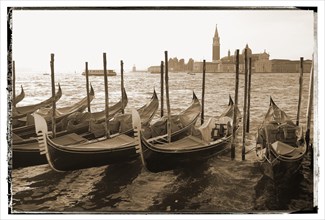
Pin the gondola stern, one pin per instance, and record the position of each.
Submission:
(59, 86)
(194, 96)
(272, 102)
(231, 102)
(20, 97)
(92, 92)
(154, 96)
(59, 93)
(124, 95)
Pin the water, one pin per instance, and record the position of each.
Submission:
(220, 185)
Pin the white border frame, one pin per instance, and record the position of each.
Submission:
(319, 112)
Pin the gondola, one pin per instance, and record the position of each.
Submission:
(62, 112)
(212, 138)
(80, 122)
(147, 112)
(73, 151)
(28, 131)
(181, 124)
(19, 97)
(280, 145)
(25, 147)
(23, 111)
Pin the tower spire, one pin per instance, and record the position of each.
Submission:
(216, 46)
(216, 34)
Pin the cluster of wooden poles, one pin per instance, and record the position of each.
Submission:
(107, 131)
(247, 98)
(164, 68)
(246, 108)
(87, 88)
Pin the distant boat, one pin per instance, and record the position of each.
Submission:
(190, 73)
(99, 73)
(46, 74)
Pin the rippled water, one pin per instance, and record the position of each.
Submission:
(220, 185)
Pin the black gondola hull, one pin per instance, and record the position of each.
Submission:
(280, 162)
(23, 158)
(156, 161)
(65, 160)
(279, 170)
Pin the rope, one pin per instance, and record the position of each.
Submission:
(250, 150)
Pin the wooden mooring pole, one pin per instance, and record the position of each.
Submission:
(203, 91)
(300, 88)
(13, 84)
(234, 118)
(162, 89)
(122, 85)
(87, 87)
(169, 132)
(53, 96)
(249, 94)
(245, 108)
(106, 98)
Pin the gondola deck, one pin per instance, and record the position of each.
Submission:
(77, 143)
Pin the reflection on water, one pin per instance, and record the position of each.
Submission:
(220, 185)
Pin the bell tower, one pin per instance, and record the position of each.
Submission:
(216, 46)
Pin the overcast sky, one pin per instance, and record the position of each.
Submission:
(140, 37)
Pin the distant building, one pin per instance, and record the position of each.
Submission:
(154, 69)
(175, 65)
(210, 67)
(289, 66)
(261, 63)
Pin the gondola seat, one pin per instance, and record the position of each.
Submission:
(206, 129)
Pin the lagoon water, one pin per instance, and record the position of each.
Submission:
(219, 185)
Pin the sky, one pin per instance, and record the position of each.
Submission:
(140, 37)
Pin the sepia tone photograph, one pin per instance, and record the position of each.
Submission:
(167, 109)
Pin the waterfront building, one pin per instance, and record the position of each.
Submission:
(210, 67)
(261, 63)
(154, 69)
